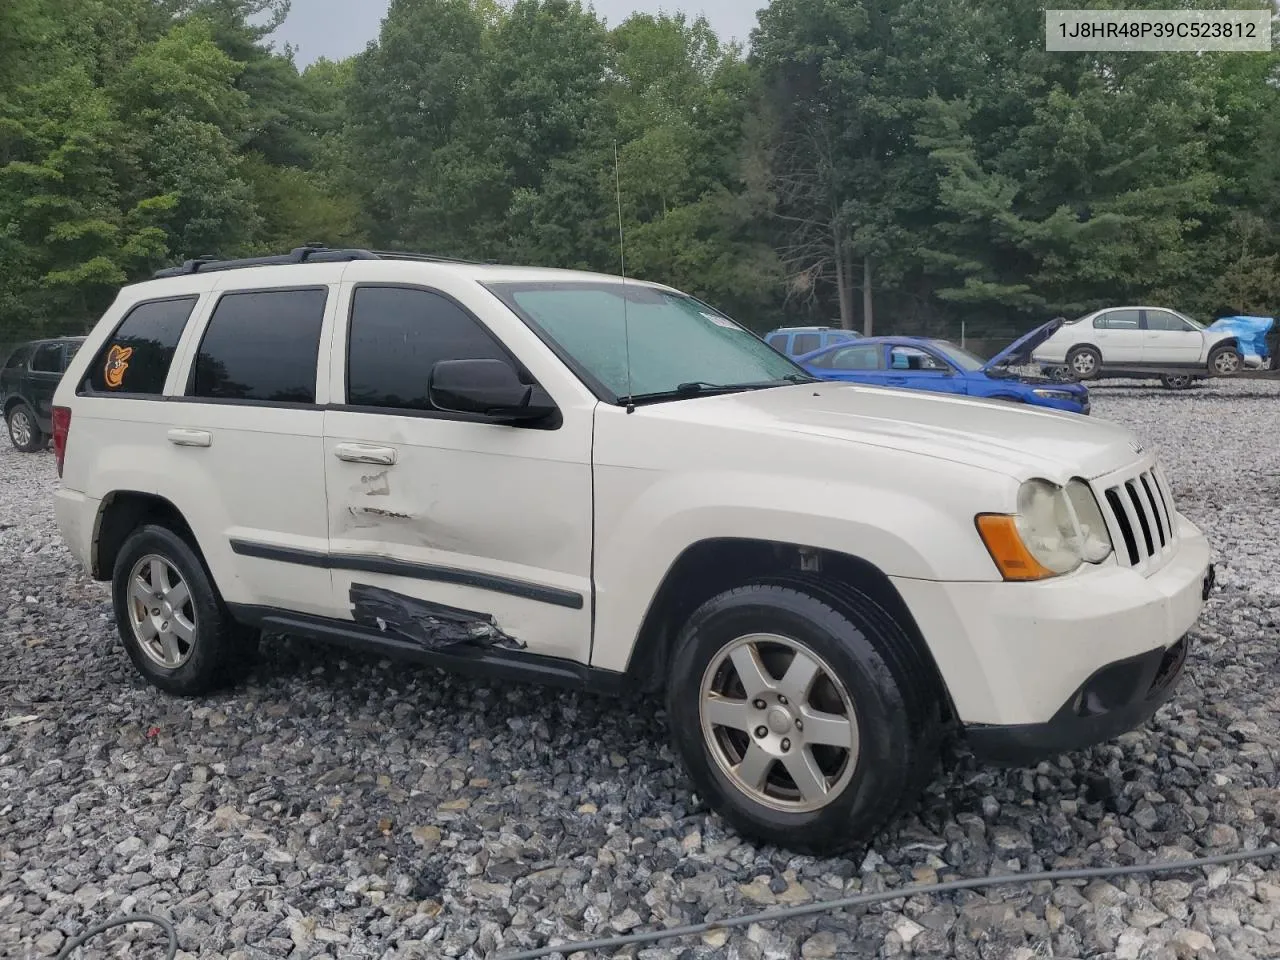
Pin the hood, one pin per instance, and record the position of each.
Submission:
(1009, 439)
(1025, 345)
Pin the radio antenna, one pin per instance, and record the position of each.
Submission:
(622, 256)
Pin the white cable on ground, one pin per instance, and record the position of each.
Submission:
(863, 899)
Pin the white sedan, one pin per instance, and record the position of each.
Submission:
(1123, 339)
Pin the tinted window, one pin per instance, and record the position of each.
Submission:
(1164, 320)
(397, 335)
(805, 343)
(47, 358)
(262, 346)
(778, 341)
(136, 358)
(16, 359)
(856, 358)
(1117, 320)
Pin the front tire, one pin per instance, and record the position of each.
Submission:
(24, 431)
(1225, 362)
(171, 619)
(797, 715)
(1085, 363)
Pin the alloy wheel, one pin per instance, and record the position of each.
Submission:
(161, 612)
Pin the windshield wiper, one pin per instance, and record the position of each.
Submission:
(700, 388)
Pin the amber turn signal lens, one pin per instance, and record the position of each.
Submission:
(1014, 561)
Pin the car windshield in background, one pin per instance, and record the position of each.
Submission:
(677, 346)
(961, 357)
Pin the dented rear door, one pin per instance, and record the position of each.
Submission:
(444, 529)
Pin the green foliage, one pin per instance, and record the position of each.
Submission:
(919, 163)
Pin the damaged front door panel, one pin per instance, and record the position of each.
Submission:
(432, 625)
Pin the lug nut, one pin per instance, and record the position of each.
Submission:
(761, 731)
(155, 611)
(799, 724)
(782, 700)
(165, 625)
(758, 703)
(786, 744)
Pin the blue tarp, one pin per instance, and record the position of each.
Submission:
(1251, 332)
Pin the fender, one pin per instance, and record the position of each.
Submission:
(880, 527)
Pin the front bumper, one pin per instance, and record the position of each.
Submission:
(1025, 657)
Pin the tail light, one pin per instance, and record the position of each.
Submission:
(61, 427)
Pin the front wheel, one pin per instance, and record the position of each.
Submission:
(24, 432)
(1225, 362)
(795, 717)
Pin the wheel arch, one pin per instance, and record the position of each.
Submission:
(124, 511)
(711, 566)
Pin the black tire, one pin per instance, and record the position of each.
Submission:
(222, 650)
(1077, 355)
(21, 421)
(1176, 381)
(1223, 357)
(895, 695)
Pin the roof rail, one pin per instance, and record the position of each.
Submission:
(311, 253)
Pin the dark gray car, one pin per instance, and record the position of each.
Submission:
(28, 379)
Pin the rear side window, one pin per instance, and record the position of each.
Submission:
(261, 346)
(397, 335)
(17, 358)
(805, 343)
(1117, 320)
(47, 358)
(778, 341)
(135, 360)
(857, 358)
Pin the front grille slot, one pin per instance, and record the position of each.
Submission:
(1141, 510)
(1142, 514)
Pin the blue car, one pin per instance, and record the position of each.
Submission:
(797, 341)
(916, 363)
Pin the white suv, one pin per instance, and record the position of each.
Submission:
(1122, 340)
(572, 478)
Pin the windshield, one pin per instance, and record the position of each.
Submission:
(677, 345)
(961, 357)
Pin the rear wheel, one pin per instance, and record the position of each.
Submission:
(796, 716)
(1225, 362)
(174, 624)
(24, 431)
(1084, 363)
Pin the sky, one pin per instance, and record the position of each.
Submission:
(339, 28)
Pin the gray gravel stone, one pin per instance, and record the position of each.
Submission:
(340, 806)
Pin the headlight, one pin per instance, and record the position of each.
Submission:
(1054, 531)
(1054, 394)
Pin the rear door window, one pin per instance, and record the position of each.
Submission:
(47, 358)
(261, 346)
(1117, 320)
(805, 343)
(135, 360)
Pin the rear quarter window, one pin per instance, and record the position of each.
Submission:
(136, 357)
(17, 358)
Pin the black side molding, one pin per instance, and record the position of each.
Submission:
(482, 662)
(415, 571)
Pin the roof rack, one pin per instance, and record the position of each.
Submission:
(311, 253)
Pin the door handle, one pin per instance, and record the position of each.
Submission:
(190, 438)
(359, 453)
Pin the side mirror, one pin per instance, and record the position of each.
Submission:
(490, 388)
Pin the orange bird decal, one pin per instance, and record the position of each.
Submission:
(117, 364)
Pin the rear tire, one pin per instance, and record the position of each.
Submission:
(866, 685)
(1085, 363)
(174, 625)
(24, 431)
(1179, 381)
(1225, 362)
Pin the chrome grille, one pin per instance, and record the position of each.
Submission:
(1140, 513)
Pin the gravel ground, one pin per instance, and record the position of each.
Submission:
(339, 806)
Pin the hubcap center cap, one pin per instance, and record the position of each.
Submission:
(779, 720)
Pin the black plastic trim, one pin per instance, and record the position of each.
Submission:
(1114, 700)
(481, 662)
(415, 571)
